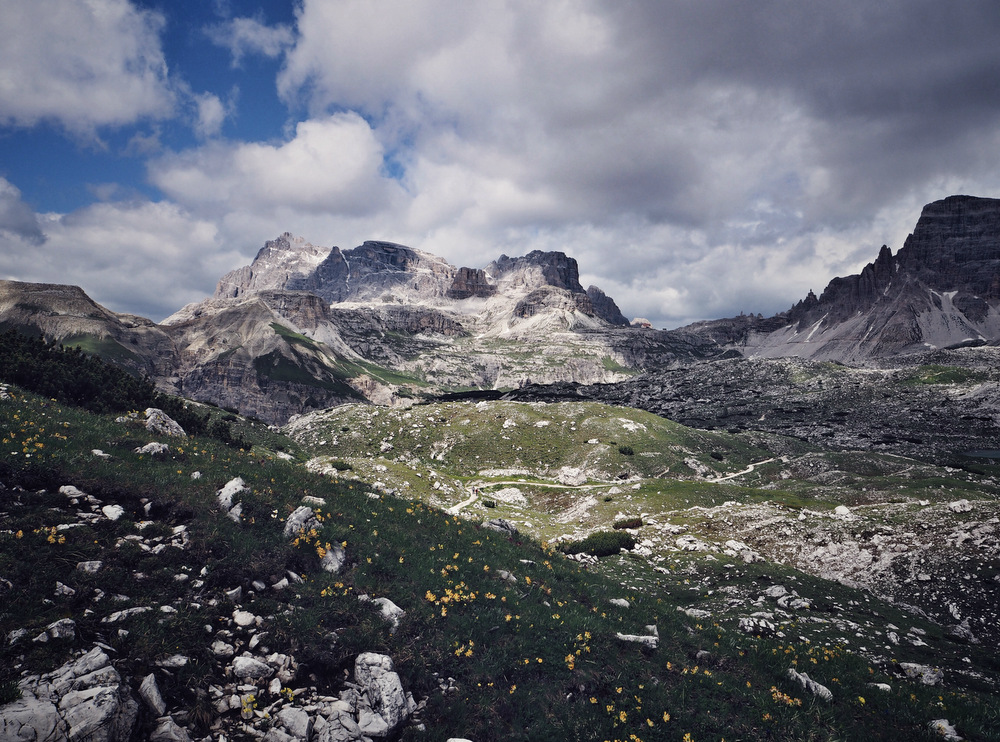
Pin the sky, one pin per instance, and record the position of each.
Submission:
(698, 158)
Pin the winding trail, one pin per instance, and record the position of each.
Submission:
(456, 509)
(749, 469)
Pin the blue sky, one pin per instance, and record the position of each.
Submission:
(697, 159)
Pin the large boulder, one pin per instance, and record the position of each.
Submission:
(384, 706)
(159, 422)
(302, 520)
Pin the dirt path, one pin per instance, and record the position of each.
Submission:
(749, 469)
(456, 509)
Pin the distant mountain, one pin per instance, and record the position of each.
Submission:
(387, 273)
(941, 290)
(306, 327)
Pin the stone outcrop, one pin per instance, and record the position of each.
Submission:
(85, 699)
(547, 298)
(538, 268)
(287, 262)
(469, 283)
(606, 308)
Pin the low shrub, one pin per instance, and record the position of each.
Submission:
(623, 523)
(626, 450)
(600, 543)
(489, 503)
(9, 692)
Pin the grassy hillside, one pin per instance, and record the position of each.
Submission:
(529, 637)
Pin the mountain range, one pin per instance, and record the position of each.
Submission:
(305, 327)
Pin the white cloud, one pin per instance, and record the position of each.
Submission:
(242, 36)
(143, 257)
(17, 220)
(698, 159)
(81, 64)
(331, 165)
(211, 115)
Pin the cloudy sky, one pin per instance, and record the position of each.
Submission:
(698, 158)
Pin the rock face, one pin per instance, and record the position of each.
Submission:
(605, 307)
(287, 262)
(941, 290)
(471, 282)
(85, 699)
(306, 327)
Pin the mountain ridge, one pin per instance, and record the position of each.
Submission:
(305, 326)
(941, 290)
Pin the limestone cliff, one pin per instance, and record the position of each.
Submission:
(941, 290)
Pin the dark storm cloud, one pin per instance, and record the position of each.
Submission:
(896, 90)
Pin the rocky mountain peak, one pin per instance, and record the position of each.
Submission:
(285, 262)
(605, 307)
(537, 269)
(469, 283)
(956, 245)
(941, 290)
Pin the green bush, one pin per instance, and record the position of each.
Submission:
(71, 376)
(489, 503)
(622, 523)
(222, 431)
(9, 692)
(626, 450)
(600, 543)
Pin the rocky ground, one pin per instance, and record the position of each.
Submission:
(934, 406)
(914, 534)
(277, 605)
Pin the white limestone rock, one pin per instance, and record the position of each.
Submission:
(333, 559)
(249, 668)
(173, 662)
(64, 629)
(302, 520)
(167, 730)
(923, 673)
(389, 610)
(296, 722)
(386, 708)
(571, 475)
(244, 618)
(153, 449)
(232, 488)
(113, 512)
(149, 692)
(692, 543)
(159, 422)
(222, 650)
(72, 492)
(126, 613)
(85, 699)
(945, 729)
(807, 683)
(650, 641)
